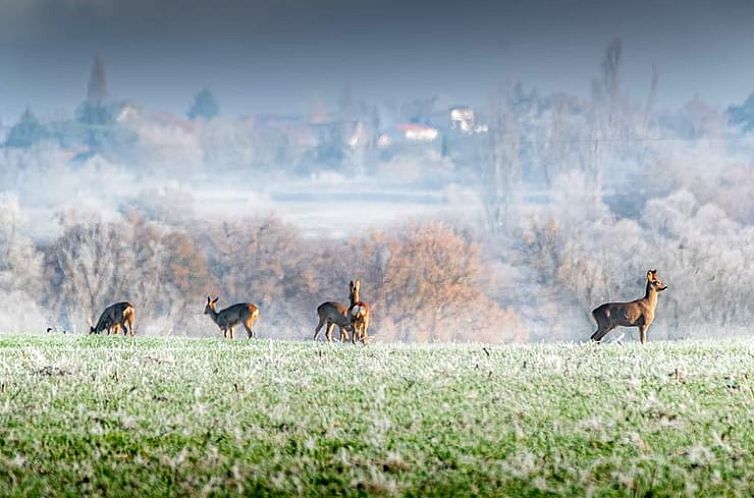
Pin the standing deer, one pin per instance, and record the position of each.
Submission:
(358, 313)
(243, 313)
(639, 313)
(114, 317)
(331, 314)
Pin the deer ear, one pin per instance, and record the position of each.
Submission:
(209, 299)
(215, 299)
(649, 275)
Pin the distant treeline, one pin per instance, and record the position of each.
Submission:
(425, 282)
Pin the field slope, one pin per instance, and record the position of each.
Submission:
(182, 417)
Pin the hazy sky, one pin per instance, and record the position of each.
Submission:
(284, 55)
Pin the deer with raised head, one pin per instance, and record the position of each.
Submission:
(241, 313)
(638, 313)
(115, 317)
(358, 313)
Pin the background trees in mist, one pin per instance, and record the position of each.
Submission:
(426, 282)
(20, 272)
(204, 105)
(26, 132)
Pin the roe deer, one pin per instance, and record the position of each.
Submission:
(358, 313)
(243, 313)
(114, 317)
(332, 314)
(639, 313)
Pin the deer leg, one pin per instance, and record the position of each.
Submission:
(328, 330)
(225, 333)
(596, 335)
(319, 327)
(643, 333)
(604, 332)
(343, 333)
(365, 334)
(249, 330)
(601, 332)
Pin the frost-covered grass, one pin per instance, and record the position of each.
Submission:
(173, 417)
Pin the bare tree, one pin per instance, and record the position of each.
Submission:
(87, 268)
(435, 287)
(501, 172)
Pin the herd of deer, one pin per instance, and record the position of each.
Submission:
(355, 317)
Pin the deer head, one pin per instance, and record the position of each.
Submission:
(655, 281)
(354, 290)
(211, 307)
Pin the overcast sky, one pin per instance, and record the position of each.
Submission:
(285, 55)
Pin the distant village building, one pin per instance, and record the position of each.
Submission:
(462, 119)
(127, 111)
(356, 134)
(414, 132)
(384, 140)
(408, 133)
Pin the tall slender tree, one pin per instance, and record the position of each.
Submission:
(96, 90)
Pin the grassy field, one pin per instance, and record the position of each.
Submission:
(182, 417)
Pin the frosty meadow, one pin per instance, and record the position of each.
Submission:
(198, 417)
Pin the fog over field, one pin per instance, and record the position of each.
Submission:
(491, 187)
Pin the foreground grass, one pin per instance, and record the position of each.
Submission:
(180, 417)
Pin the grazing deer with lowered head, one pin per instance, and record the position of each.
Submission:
(114, 317)
(241, 313)
(331, 314)
(358, 313)
(639, 313)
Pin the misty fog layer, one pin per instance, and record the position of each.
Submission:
(507, 222)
